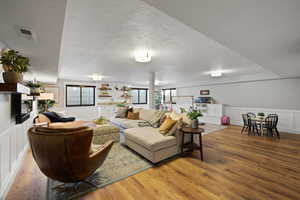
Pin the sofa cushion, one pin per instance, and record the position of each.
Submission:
(147, 114)
(149, 138)
(126, 123)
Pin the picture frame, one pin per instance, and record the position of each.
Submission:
(204, 92)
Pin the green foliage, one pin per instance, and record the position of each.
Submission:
(194, 113)
(101, 120)
(261, 114)
(14, 61)
(42, 103)
(34, 85)
(121, 105)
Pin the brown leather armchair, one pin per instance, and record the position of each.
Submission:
(66, 154)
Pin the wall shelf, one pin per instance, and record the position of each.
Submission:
(14, 88)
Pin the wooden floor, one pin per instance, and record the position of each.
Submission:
(235, 167)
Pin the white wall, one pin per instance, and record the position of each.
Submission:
(87, 113)
(279, 94)
(13, 140)
(272, 96)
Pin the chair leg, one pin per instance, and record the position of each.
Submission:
(277, 133)
(242, 129)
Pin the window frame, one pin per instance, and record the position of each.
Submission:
(170, 93)
(81, 86)
(138, 89)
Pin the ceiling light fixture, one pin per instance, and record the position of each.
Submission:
(216, 73)
(96, 77)
(142, 56)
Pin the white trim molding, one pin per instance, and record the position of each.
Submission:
(289, 120)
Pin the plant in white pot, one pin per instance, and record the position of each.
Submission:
(193, 115)
(14, 65)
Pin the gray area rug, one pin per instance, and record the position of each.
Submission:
(120, 163)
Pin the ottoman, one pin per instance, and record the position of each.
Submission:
(104, 133)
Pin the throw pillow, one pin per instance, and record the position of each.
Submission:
(129, 110)
(154, 122)
(166, 126)
(133, 116)
(52, 116)
(121, 113)
(174, 129)
(162, 119)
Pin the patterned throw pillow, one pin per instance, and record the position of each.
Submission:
(122, 112)
(155, 121)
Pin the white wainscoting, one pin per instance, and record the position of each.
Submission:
(13, 148)
(289, 120)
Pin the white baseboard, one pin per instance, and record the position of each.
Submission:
(8, 181)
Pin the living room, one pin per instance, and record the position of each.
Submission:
(149, 99)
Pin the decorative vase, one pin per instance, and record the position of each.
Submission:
(12, 77)
(5, 68)
(195, 123)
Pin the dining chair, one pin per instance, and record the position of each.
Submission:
(246, 125)
(252, 123)
(270, 124)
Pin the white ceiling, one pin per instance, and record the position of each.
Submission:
(247, 39)
(265, 31)
(101, 36)
(45, 18)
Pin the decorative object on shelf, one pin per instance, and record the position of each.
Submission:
(14, 65)
(204, 92)
(45, 101)
(101, 121)
(193, 115)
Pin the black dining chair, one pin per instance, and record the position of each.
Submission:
(270, 125)
(246, 123)
(252, 123)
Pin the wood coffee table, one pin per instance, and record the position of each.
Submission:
(192, 145)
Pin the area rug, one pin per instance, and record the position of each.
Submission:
(120, 163)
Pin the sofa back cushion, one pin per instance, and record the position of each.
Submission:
(147, 114)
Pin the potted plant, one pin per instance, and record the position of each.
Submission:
(261, 115)
(14, 65)
(193, 115)
(34, 87)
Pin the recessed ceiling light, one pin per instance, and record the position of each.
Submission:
(216, 73)
(142, 56)
(96, 77)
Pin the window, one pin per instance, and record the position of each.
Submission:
(140, 95)
(80, 95)
(168, 94)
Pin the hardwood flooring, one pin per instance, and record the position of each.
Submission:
(235, 167)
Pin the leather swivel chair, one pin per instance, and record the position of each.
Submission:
(66, 154)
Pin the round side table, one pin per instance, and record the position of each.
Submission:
(192, 132)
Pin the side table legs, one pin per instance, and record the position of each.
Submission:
(200, 147)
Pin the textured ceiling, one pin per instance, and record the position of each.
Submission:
(265, 31)
(101, 36)
(45, 19)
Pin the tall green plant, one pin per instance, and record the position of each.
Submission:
(12, 61)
